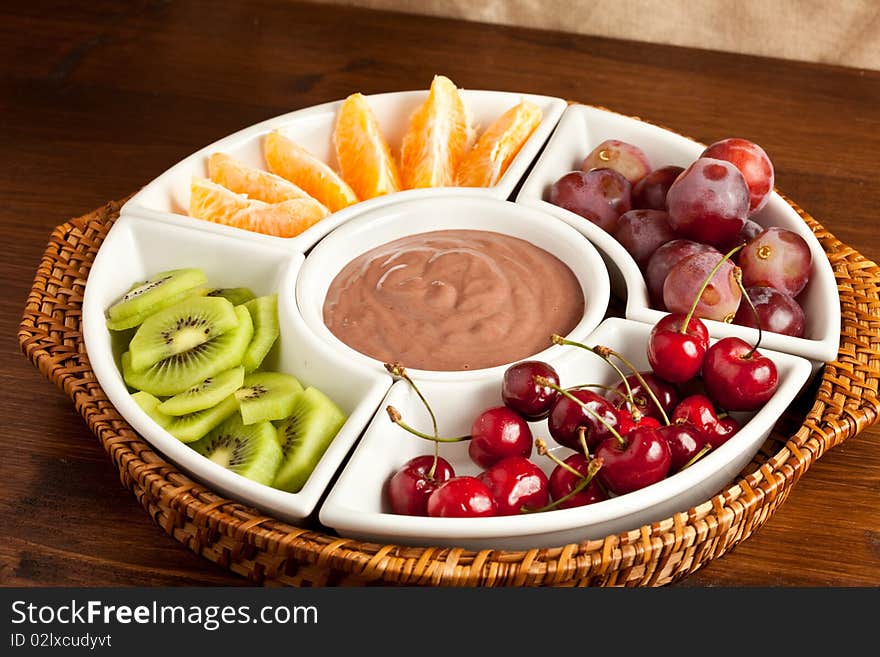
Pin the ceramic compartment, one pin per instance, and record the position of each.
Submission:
(167, 197)
(136, 248)
(356, 506)
(450, 211)
(584, 127)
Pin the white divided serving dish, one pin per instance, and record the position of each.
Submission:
(345, 491)
(356, 507)
(166, 198)
(136, 248)
(451, 211)
(582, 128)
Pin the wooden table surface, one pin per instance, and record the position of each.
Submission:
(99, 99)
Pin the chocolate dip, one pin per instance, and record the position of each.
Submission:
(453, 300)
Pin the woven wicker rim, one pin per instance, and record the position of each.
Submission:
(268, 551)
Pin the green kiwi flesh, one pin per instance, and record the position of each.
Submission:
(182, 371)
(179, 328)
(267, 396)
(305, 436)
(155, 293)
(193, 426)
(237, 295)
(205, 394)
(250, 450)
(264, 313)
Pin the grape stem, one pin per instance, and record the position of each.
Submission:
(693, 309)
(739, 281)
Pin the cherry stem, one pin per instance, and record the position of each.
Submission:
(396, 417)
(739, 281)
(696, 457)
(541, 448)
(399, 371)
(582, 439)
(636, 413)
(544, 381)
(605, 353)
(712, 272)
(592, 468)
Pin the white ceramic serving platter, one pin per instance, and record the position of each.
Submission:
(167, 197)
(582, 128)
(136, 248)
(408, 217)
(356, 506)
(153, 233)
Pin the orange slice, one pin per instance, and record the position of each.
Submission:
(493, 152)
(364, 157)
(436, 138)
(252, 181)
(289, 160)
(213, 202)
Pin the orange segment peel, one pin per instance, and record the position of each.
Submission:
(364, 158)
(436, 139)
(256, 183)
(289, 160)
(213, 202)
(493, 152)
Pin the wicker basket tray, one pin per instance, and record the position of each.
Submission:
(841, 403)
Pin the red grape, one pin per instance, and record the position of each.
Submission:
(641, 232)
(708, 202)
(753, 163)
(719, 300)
(650, 192)
(663, 260)
(778, 312)
(600, 195)
(777, 258)
(624, 158)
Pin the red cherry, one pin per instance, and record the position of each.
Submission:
(517, 484)
(737, 376)
(685, 442)
(411, 485)
(675, 355)
(520, 392)
(567, 417)
(698, 411)
(640, 459)
(462, 496)
(725, 429)
(496, 433)
(562, 482)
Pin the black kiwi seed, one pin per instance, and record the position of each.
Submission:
(149, 285)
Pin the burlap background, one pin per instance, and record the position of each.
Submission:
(842, 32)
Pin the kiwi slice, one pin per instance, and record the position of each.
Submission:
(305, 436)
(155, 293)
(205, 394)
(237, 295)
(182, 371)
(187, 428)
(264, 313)
(179, 328)
(251, 450)
(267, 396)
